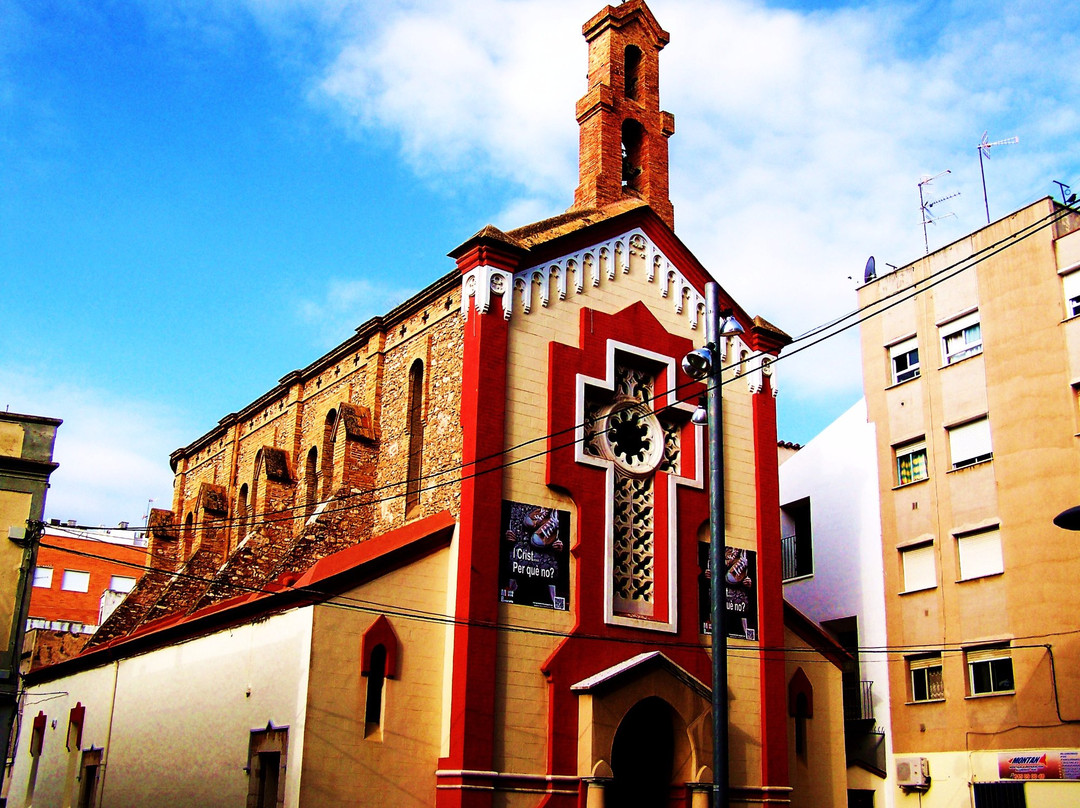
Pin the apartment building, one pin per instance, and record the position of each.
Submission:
(971, 363)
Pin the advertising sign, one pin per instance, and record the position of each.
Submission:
(740, 574)
(534, 560)
(1039, 765)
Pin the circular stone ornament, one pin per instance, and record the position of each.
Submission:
(631, 437)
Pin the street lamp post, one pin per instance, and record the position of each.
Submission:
(705, 363)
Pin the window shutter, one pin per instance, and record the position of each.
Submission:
(980, 554)
(970, 441)
(919, 571)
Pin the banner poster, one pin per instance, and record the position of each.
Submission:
(1039, 765)
(740, 576)
(534, 560)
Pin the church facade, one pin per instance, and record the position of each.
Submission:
(461, 560)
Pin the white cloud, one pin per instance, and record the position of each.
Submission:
(347, 304)
(112, 447)
(800, 139)
(486, 88)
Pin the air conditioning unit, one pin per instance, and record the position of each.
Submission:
(913, 772)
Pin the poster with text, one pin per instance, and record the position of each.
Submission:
(740, 575)
(534, 558)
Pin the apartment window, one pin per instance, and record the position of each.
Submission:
(796, 544)
(43, 577)
(75, 581)
(970, 443)
(904, 357)
(920, 572)
(1071, 284)
(961, 338)
(926, 680)
(990, 670)
(121, 583)
(911, 463)
(980, 554)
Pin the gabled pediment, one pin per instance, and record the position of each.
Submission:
(634, 668)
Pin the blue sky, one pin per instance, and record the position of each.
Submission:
(197, 197)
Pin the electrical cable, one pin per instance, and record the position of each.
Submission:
(901, 295)
(826, 330)
(375, 607)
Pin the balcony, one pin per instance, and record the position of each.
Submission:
(796, 560)
(859, 701)
(864, 741)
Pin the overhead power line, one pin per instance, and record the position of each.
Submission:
(808, 339)
(392, 610)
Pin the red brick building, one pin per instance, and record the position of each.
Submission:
(75, 569)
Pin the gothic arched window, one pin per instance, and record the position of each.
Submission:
(631, 70)
(633, 149)
(311, 480)
(328, 454)
(416, 437)
(242, 514)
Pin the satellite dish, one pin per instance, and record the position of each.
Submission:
(871, 270)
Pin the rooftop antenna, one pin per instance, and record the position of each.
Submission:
(924, 206)
(1066, 197)
(984, 148)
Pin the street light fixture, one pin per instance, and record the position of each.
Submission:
(700, 364)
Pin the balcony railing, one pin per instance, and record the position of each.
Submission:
(794, 564)
(859, 702)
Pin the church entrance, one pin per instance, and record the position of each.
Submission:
(643, 756)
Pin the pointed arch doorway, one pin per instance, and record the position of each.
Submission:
(643, 734)
(643, 756)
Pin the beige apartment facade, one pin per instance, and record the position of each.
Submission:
(971, 363)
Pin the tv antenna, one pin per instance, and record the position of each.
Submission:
(924, 206)
(984, 148)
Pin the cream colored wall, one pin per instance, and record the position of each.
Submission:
(397, 766)
(1022, 381)
(181, 719)
(14, 511)
(820, 779)
(521, 689)
(11, 439)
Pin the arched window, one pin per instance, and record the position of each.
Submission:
(801, 716)
(328, 454)
(189, 535)
(255, 477)
(416, 438)
(242, 514)
(631, 70)
(311, 480)
(633, 149)
(376, 678)
(801, 708)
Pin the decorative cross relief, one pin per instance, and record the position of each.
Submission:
(632, 425)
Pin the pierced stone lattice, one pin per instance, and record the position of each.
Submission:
(621, 428)
(633, 540)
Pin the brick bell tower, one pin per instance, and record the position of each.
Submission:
(623, 132)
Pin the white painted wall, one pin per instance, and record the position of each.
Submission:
(838, 471)
(174, 723)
